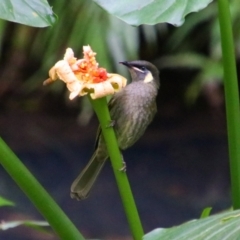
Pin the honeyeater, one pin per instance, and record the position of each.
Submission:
(131, 109)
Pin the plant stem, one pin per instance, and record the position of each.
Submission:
(231, 98)
(38, 195)
(101, 109)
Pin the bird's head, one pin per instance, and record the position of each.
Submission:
(143, 71)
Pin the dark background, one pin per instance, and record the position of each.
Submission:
(179, 167)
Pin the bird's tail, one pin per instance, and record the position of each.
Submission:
(83, 183)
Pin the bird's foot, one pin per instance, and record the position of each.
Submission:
(111, 124)
(123, 168)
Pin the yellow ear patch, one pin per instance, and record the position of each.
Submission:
(148, 78)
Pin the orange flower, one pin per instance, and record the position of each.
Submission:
(83, 76)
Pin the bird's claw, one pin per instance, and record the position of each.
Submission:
(111, 124)
(123, 168)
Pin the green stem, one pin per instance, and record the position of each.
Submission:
(101, 109)
(231, 98)
(37, 194)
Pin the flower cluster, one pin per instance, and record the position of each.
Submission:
(83, 76)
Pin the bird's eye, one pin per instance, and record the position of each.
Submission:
(143, 68)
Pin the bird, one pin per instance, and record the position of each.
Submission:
(132, 109)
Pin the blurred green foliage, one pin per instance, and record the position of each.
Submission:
(197, 45)
(27, 54)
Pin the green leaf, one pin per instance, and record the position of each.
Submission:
(221, 226)
(35, 13)
(137, 12)
(206, 212)
(5, 202)
(13, 224)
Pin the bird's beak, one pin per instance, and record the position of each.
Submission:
(126, 64)
(130, 66)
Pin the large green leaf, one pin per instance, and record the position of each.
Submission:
(35, 13)
(221, 226)
(137, 12)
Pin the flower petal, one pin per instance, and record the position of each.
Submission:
(114, 83)
(65, 72)
(101, 89)
(69, 56)
(118, 82)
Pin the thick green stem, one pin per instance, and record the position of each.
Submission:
(101, 109)
(37, 194)
(231, 98)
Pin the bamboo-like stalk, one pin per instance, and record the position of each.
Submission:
(101, 109)
(231, 98)
(60, 223)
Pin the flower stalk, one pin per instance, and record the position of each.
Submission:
(101, 109)
(231, 98)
